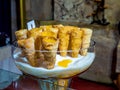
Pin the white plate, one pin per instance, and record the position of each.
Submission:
(77, 66)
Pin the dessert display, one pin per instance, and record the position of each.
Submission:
(53, 51)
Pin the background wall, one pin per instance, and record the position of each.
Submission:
(112, 13)
(39, 10)
(86, 11)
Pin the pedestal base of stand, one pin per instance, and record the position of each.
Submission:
(54, 84)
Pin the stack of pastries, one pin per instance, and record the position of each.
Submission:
(40, 45)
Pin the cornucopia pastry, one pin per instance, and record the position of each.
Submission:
(75, 42)
(50, 45)
(21, 34)
(64, 37)
(87, 33)
(53, 39)
(28, 49)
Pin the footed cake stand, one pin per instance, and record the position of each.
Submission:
(59, 77)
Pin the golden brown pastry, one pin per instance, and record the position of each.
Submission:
(54, 30)
(47, 34)
(35, 32)
(46, 38)
(64, 37)
(75, 42)
(21, 34)
(38, 48)
(57, 26)
(50, 45)
(28, 48)
(87, 33)
(45, 27)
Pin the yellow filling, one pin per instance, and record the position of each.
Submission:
(64, 63)
(50, 40)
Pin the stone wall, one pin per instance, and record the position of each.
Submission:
(87, 11)
(112, 13)
(72, 10)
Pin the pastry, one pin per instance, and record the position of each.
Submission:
(40, 45)
(50, 45)
(48, 34)
(28, 49)
(75, 42)
(57, 26)
(64, 37)
(45, 27)
(21, 34)
(87, 33)
(35, 32)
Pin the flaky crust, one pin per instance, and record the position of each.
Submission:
(50, 45)
(21, 34)
(75, 42)
(51, 38)
(28, 49)
(87, 34)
